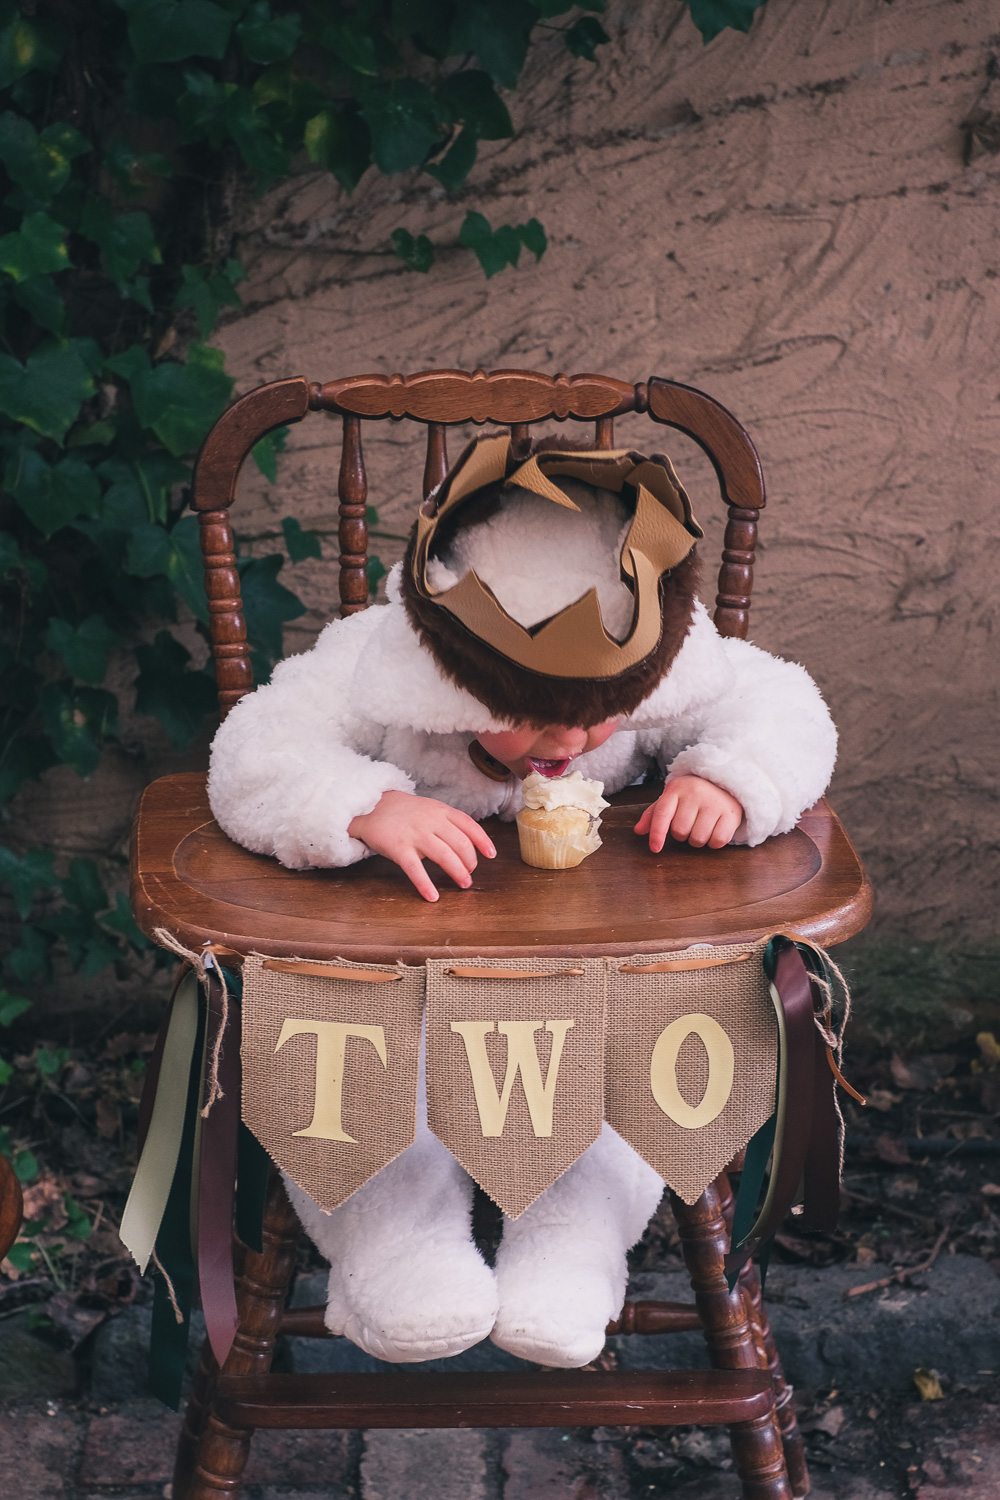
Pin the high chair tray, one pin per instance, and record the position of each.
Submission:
(190, 878)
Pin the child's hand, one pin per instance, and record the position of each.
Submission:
(408, 829)
(692, 809)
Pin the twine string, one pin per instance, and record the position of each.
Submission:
(200, 962)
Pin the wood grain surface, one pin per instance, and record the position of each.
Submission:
(189, 877)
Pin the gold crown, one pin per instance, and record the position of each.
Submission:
(574, 642)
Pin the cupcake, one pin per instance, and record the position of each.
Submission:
(558, 824)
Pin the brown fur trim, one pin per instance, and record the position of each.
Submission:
(516, 695)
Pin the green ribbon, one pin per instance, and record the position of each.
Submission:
(155, 1173)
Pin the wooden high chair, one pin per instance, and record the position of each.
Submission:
(191, 880)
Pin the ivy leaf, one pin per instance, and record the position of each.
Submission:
(51, 495)
(76, 721)
(497, 248)
(453, 168)
(131, 169)
(300, 544)
(340, 141)
(353, 43)
(31, 957)
(46, 392)
(37, 248)
(39, 163)
(121, 920)
(24, 759)
(175, 554)
(470, 98)
(82, 887)
(83, 648)
(417, 253)
(376, 570)
(164, 31)
(267, 604)
(497, 31)
(169, 692)
(713, 16)
(585, 36)
(26, 46)
(208, 293)
(13, 560)
(427, 21)
(41, 298)
(265, 452)
(12, 1006)
(267, 38)
(404, 120)
(533, 238)
(217, 111)
(126, 241)
(24, 876)
(178, 402)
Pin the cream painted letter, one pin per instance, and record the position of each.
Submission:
(521, 1058)
(331, 1047)
(663, 1070)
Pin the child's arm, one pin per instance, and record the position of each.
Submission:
(409, 829)
(694, 811)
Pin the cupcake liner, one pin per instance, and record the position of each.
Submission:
(551, 851)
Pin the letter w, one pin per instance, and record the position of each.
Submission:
(522, 1058)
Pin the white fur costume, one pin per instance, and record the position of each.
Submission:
(367, 711)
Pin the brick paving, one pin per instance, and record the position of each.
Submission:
(897, 1450)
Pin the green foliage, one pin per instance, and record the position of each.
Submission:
(128, 129)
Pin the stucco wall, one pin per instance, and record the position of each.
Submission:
(785, 221)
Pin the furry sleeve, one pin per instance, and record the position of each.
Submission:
(768, 739)
(289, 768)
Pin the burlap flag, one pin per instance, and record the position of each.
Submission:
(691, 1059)
(515, 1064)
(330, 1057)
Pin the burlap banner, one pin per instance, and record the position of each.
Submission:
(515, 1065)
(330, 1056)
(691, 1058)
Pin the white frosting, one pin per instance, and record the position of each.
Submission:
(574, 790)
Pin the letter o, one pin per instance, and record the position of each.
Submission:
(663, 1071)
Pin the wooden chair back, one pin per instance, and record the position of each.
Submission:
(440, 399)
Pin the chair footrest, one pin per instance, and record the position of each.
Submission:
(576, 1398)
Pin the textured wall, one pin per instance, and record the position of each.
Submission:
(785, 221)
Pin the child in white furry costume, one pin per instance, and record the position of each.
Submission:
(362, 745)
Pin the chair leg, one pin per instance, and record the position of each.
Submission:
(769, 1359)
(211, 1456)
(725, 1317)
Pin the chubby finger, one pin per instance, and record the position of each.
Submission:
(660, 824)
(412, 867)
(462, 846)
(724, 829)
(703, 827)
(683, 820)
(475, 833)
(444, 855)
(645, 818)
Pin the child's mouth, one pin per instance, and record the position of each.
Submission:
(548, 767)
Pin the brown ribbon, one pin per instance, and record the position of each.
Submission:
(792, 983)
(681, 965)
(216, 1181)
(328, 971)
(509, 973)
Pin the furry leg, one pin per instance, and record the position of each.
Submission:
(561, 1270)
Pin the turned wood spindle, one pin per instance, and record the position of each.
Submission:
(520, 439)
(353, 531)
(227, 627)
(604, 432)
(732, 603)
(436, 465)
(211, 1455)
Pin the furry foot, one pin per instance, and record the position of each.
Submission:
(406, 1282)
(561, 1268)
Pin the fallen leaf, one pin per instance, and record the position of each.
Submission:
(928, 1384)
(922, 1072)
(71, 1319)
(109, 1118)
(892, 1150)
(882, 1100)
(832, 1421)
(44, 1200)
(989, 1050)
(865, 1255)
(990, 1189)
